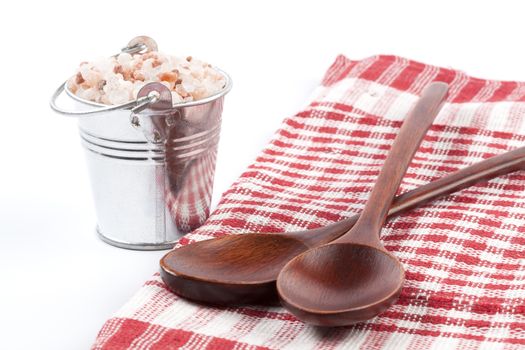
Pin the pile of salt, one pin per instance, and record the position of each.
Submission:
(118, 79)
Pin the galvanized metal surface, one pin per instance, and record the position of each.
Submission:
(151, 170)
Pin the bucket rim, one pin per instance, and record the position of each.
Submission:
(227, 87)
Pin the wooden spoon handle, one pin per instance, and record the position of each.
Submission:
(487, 169)
(407, 142)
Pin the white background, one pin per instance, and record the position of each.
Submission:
(59, 283)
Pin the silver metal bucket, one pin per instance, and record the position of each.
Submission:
(151, 164)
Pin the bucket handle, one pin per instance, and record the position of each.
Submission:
(136, 105)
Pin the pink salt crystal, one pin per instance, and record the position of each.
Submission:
(124, 58)
(118, 79)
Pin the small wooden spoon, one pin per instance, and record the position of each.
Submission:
(242, 269)
(354, 278)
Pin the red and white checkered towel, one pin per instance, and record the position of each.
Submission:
(464, 255)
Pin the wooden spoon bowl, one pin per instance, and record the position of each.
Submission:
(354, 283)
(201, 271)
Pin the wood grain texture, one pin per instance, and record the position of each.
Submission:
(354, 278)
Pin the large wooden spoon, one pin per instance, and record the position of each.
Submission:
(240, 269)
(354, 278)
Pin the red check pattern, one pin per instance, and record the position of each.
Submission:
(464, 254)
